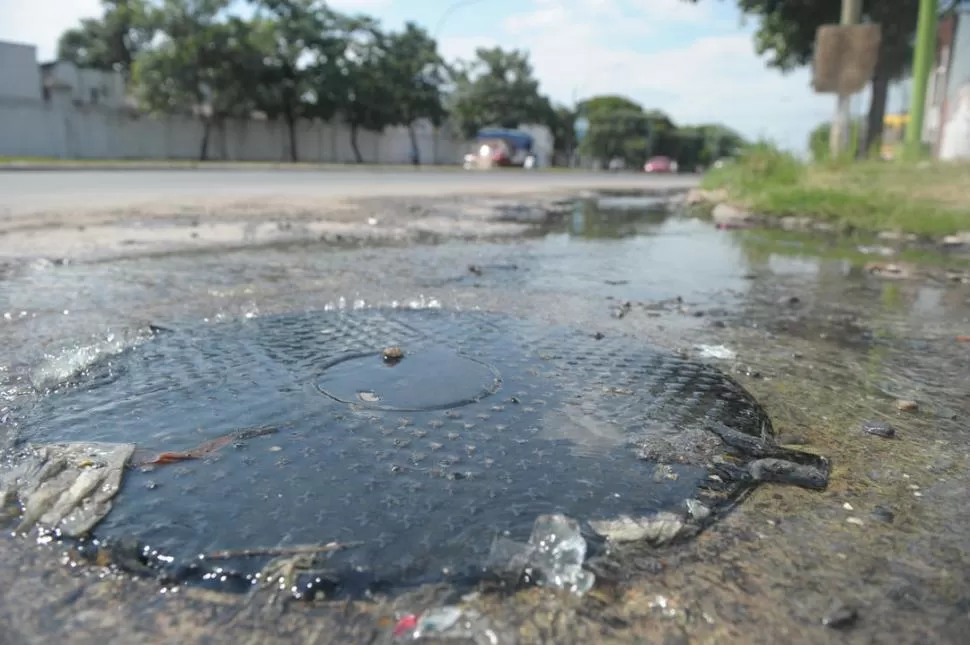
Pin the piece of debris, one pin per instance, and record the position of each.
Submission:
(66, 487)
(906, 405)
(879, 429)
(656, 529)
(553, 557)
(207, 447)
(392, 354)
(716, 351)
(840, 616)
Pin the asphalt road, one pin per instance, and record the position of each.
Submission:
(26, 191)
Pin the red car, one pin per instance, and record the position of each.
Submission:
(660, 164)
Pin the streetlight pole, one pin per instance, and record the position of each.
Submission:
(922, 64)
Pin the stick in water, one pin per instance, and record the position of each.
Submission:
(281, 550)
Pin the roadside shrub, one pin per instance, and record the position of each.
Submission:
(757, 168)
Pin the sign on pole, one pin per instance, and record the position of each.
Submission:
(845, 58)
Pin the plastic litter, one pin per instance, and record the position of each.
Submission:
(553, 556)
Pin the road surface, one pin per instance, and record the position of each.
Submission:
(24, 192)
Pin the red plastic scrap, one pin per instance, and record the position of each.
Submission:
(406, 625)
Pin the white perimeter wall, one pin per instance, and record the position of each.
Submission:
(67, 131)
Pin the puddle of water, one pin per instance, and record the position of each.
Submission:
(823, 345)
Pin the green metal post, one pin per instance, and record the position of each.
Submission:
(923, 59)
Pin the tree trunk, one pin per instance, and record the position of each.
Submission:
(204, 148)
(415, 152)
(877, 108)
(291, 127)
(353, 143)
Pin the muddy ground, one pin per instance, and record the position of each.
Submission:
(882, 556)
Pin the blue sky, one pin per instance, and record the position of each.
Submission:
(695, 62)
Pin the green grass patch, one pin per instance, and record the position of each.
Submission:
(924, 198)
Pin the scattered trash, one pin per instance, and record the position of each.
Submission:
(716, 351)
(657, 529)
(450, 622)
(963, 339)
(66, 487)
(208, 447)
(553, 557)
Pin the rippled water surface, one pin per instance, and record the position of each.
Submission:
(823, 344)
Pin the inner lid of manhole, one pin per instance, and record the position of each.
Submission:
(422, 377)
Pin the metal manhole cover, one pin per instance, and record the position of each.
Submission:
(486, 422)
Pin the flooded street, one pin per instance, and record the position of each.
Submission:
(865, 370)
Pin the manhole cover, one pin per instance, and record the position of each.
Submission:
(481, 424)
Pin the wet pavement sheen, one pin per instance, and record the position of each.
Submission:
(822, 345)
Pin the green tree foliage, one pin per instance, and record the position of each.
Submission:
(112, 41)
(416, 76)
(787, 30)
(620, 127)
(293, 60)
(301, 77)
(370, 99)
(204, 65)
(498, 88)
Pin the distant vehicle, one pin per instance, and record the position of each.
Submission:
(617, 164)
(660, 164)
(502, 148)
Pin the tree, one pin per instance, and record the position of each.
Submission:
(302, 42)
(497, 88)
(563, 128)
(787, 35)
(204, 65)
(113, 41)
(369, 101)
(416, 75)
(619, 127)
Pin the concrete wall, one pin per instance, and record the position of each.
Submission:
(19, 74)
(67, 131)
(77, 85)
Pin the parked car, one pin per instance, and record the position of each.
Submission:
(660, 164)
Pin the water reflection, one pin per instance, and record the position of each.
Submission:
(616, 217)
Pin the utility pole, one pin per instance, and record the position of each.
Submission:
(923, 59)
(841, 124)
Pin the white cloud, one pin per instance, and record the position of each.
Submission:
(577, 49)
(42, 23)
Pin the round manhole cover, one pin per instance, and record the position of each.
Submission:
(421, 377)
(294, 429)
